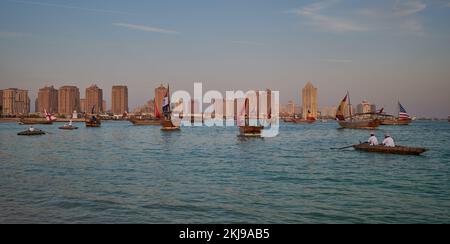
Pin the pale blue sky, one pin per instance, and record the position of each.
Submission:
(382, 50)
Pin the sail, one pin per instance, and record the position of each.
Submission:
(157, 113)
(340, 113)
(166, 104)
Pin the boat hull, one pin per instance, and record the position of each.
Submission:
(250, 131)
(167, 125)
(363, 124)
(390, 150)
(31, 133)
(300, 121)
(143, 122)
(93, 124)
(396, 122)
(68, 128)
(35, 122)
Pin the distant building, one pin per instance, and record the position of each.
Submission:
(119, 100)
(83, 105)
(47, 100)
(104, 107)
(15, 102)
(160, 92)
(364, 107)
(68, 100)
(36, 105)
(94, 99)
(290, 108)
(309, 97)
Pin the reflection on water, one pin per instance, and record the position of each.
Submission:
(125, 174)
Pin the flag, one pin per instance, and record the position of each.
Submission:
(403, 115)
(166, 103)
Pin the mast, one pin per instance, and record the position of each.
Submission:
(350, 106)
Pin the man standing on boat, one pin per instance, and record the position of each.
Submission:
(388, 141)
(373, 140)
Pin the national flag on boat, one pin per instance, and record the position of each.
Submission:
(166, 103)
(403, 115)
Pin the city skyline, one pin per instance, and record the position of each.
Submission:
(382, 51)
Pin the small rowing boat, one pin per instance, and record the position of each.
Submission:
(390, 150)
(68, 127)
(31, 133)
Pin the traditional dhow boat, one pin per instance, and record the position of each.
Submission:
(390, 150)
(31, 133)
(166, 123)
(247, 130)
(93, 120)
(143, 121)
(34, 121)
(354, 121)
(402, 119)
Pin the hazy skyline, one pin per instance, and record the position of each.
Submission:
(382, 51)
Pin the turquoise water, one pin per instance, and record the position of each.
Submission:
(125, 174)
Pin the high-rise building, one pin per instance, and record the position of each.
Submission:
(94, 99)
(364, 107)
(309, 95)
(68, 100)
(47, 100)
(15, 102)
(83, 105)
(119, 100)
(291, 108)
(36, 105)
(104, 107)
(160, 92)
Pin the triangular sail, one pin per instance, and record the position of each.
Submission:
(340, 113)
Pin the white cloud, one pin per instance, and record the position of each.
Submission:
(313, 13)
(408, 7)
(145, 28)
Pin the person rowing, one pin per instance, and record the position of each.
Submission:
(373, 140)
(388, 141)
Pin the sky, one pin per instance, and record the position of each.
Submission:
(383, 51)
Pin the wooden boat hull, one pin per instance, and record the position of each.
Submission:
(396, 122)
(390, 150)
(143, 122)
(300, 121)
(68, 128)
(167, 125)
(250, 131)
(94, 124)
(360, 124)
(35, 122)
(31, 133)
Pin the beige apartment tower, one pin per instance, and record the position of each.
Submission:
(68, 100)
(94, 99)
(15, 102)
(119, 100)
(47, 100)
(309, 101)
(160, 92)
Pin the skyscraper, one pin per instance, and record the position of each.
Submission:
(309, 101)
(160, 92)
(47, 100)
(15, 102)
(363, 108)
(119, 100)
(291, 108)
(94, 99)
(68, 100)
(83, 107)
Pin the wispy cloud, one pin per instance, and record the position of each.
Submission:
(145, 28)
(331, 60)
(43, 4)
(4, 34)
(314, 13)
(408, 7)
(248, 43)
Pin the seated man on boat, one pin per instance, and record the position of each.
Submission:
(31, 129)
(388, 141)
(373, 140)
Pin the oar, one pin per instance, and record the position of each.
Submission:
(341, 148)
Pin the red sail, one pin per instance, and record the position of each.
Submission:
(157, 114)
